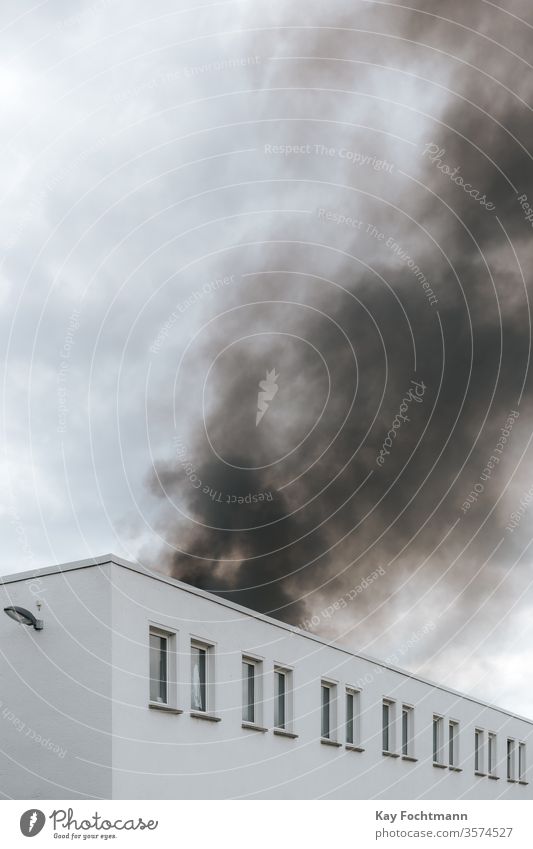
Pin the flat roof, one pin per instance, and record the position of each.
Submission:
(189, 588)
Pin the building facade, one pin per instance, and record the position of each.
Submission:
(142, 687)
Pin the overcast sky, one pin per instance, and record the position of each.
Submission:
(331, 199)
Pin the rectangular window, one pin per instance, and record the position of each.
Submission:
(407, 730)
(521, 761)
(349, 717)
(510, 760)
(438, 725)
(326, 712)
(388, 725)
(280, 698)
(352, 717)
(492, 754)
(479, 760)
(199, 677)
(248, 691)
(158, 667)
(283, 699)
(453, 742)
(252, 690)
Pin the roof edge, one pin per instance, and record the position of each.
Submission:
(105, 559)
(100, 560)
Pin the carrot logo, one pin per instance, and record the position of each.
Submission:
(32, 822)
(268, 390)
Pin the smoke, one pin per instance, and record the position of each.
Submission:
(389, 276)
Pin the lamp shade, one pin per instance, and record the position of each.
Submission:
(25, 617)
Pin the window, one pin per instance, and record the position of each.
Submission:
(251, 690)
(438, 726)
(510, 760)
(198, 677)
(352, 717)
(158, 666)
(492, 754)
(326, 710)
(328, 716)
(453, 742)
(407, 731)
(162, 668)
(280, 695)
(388, 725)
(522, 762)
(478, 751)
(282, 698)
(248, 691)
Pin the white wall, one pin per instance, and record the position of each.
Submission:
(159, 755)
(81, 684)
(55, 687)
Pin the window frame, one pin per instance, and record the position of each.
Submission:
(437, 741)
(492, 754)
(355, 694)
(287, 673)
(453, 743)
(257, 704)
(388, 731)
(511, 759)
(522, 762)
(332, 730)
(408, 739)
(209, 648)
(171, 637)
(479, 751)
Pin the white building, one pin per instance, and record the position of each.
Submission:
(139, 686)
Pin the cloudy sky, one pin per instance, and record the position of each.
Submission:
(330, 200)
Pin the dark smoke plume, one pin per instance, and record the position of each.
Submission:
(345, 320)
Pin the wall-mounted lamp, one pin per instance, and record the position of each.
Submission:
(25, 617)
